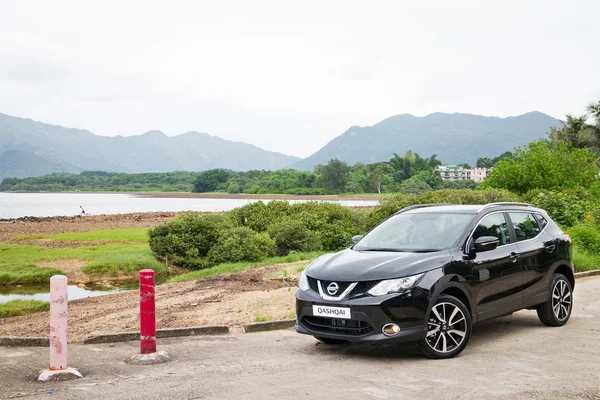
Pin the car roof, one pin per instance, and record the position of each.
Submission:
(467, 208)
(450, 208)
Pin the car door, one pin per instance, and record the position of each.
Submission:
(537, 252)
(497, 273)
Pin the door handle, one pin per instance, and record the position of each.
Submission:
(514, 257)
(550, 248)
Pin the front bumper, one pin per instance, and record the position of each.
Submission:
(368, 317)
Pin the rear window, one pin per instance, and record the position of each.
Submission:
(525, 225)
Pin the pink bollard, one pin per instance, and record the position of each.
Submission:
(58, 322)
(58, 332)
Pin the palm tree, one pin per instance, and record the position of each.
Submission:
(570, 132)
(590, 135)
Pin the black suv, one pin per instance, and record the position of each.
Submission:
(429, 272)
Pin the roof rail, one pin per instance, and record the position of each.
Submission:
(414, 206)
(505, 203)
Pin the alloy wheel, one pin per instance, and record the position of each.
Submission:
(446, 328)
(561, 300)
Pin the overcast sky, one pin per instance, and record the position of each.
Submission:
(289, 76)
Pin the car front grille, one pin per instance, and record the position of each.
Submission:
(332, 325)
(360, 289)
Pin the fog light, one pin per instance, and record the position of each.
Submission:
(391, 329)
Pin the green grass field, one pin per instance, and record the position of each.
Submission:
(15, 308)
(139, 235)
(117, 251)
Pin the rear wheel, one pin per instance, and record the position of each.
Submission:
(448, 328)
(330, 341)
(556, 311)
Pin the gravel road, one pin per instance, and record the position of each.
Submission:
(509, 358)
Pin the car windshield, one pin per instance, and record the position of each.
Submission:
(415, 232)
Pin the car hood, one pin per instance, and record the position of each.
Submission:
(351, 265)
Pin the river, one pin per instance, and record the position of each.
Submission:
(16, 205)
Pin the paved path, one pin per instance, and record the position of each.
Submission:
(509, 358)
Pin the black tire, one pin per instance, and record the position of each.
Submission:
(330, 341)
(446, 335)
(556, 311)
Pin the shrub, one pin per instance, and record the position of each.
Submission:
(467, 196)
(293, 235)
(256, 214)
(566, 208)
(334, 237)
(187, 239)
(240, 244)
(586, 237)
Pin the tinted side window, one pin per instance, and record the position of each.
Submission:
(526, 226)
(493, 225)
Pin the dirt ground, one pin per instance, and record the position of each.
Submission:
(231, 300)
(259, 294)
(51, 225)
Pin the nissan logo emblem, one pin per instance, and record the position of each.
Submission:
(333, 288)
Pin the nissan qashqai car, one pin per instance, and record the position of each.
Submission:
(429, 272)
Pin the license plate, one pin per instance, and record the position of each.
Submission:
(331, 312)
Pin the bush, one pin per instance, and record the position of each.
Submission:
(256, 214)
(187, 239)
(334, 237)
(467, 196)
(566, 208)
(586, 237)
(240, 244)
(293, 235)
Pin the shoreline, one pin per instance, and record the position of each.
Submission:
(240, 196)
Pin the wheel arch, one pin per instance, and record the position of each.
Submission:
(454, 288)
(566, 270)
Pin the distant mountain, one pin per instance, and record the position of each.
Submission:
(30, 148)
(455, 138)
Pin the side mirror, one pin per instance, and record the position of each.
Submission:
(357, 238)
(486, 243)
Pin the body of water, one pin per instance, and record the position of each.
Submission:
(16, 205)
(42, 293)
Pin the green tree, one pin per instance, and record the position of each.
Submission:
(208, 181)
(335, 176)
(540, 166)
(484, 162)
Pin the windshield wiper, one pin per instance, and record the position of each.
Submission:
(425, 251)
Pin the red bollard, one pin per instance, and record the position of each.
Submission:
(147, 312)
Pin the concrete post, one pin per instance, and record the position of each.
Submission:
(58, 332)
(148, 353)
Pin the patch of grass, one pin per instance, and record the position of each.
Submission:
(262, 318)
(139, 235)
(584, 260)
(22, 307)
(25, 273)
(17, 262)
(229, 268)
(292, 315)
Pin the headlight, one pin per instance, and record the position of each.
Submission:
(394, 285)
(303, 282)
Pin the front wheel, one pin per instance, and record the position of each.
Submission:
(448, 328)
(330, 341)
(556, 311)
